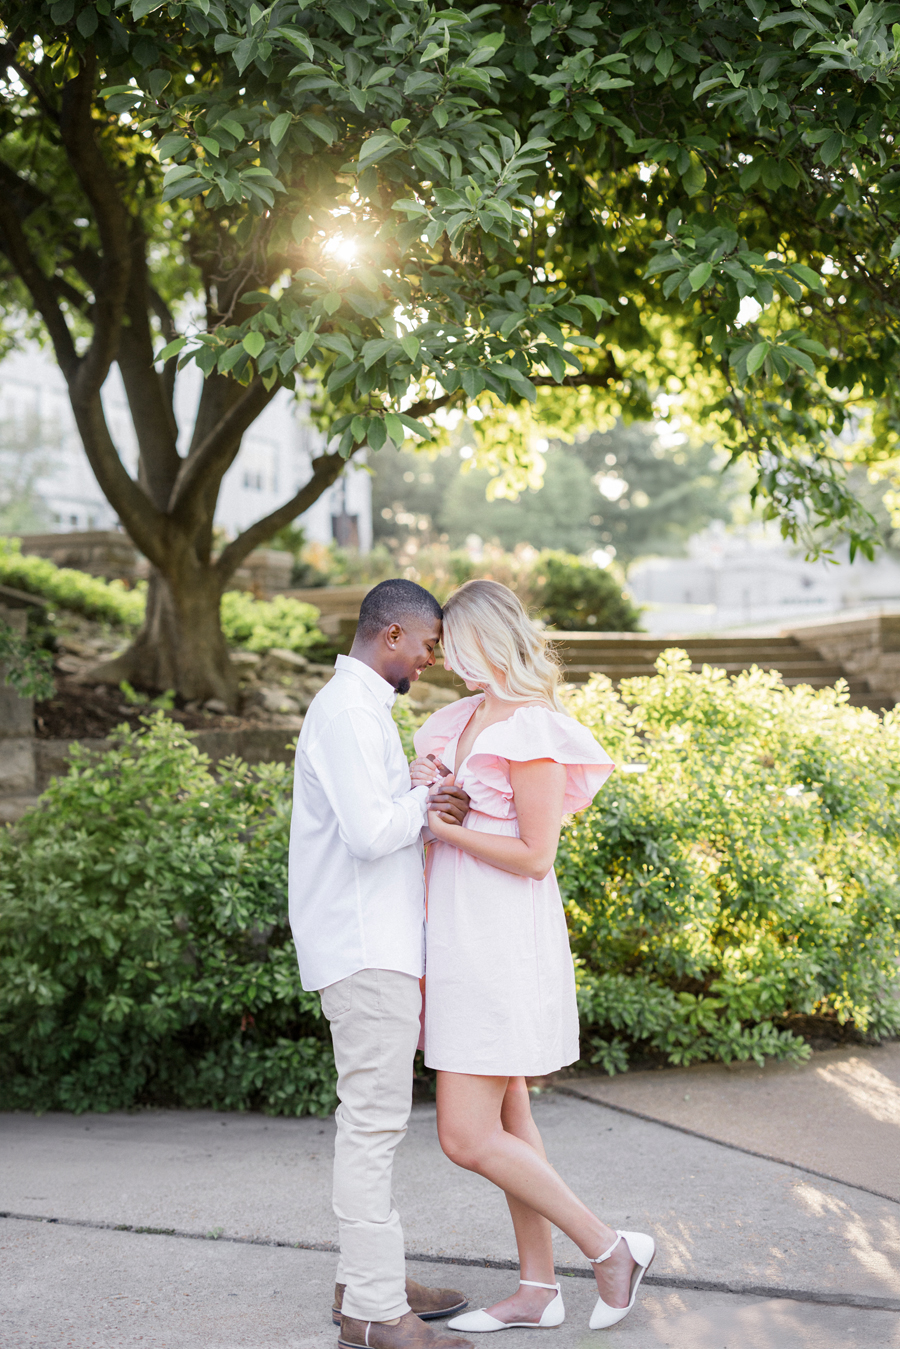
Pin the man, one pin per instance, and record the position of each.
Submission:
(357, 914)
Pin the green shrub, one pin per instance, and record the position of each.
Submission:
(24, 665)
(145, 955)
(70, 589)
(576, 596)
(746, 880)
(258, 625)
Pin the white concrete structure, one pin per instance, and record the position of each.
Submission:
(273, 464)
(752, 576)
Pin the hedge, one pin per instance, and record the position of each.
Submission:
(746, 879)
(255, 625)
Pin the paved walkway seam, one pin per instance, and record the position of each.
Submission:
(676, 1281)
(722, 1143)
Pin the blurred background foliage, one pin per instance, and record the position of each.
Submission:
(625, 489)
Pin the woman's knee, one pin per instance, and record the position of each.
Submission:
(460, 1146)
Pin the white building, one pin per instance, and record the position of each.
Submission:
(273, 464)
(752, 576)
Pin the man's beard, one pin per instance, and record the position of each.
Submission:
(403, 686)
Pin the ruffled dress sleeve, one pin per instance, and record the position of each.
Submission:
(435, 734)
(536, 733)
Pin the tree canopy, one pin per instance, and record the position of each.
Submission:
(561, 211)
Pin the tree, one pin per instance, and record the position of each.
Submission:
(106, 250)
(513, 184)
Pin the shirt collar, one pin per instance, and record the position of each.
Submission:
(383, 691)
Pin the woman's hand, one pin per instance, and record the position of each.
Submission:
(423, 773)
(426, 772)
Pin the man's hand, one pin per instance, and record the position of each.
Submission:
(449, 802)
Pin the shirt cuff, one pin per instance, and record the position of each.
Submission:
(420, 796)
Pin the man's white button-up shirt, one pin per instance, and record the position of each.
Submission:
(357, 892)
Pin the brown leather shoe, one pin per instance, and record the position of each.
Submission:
(428, 1303)
(410, 1332)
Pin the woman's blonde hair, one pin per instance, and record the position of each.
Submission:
(489, 639)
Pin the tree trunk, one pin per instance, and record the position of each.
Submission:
(180, 645)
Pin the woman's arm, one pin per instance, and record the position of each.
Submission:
(539, 789)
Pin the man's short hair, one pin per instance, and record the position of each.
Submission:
(396, 601)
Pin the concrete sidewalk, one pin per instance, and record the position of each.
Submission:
(752, 1252)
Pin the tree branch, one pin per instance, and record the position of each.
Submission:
(77, 132)
(146, 525)
(216, 453)
(151, 412)
(170, 332)
(39, 286)
(326, 469)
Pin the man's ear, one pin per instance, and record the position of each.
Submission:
(393, 634)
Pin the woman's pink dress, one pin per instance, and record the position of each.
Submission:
(500, 985)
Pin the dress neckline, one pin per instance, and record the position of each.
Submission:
(459, 734)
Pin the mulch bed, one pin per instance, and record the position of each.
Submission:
(80, 711)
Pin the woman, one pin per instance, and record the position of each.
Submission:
(500, 987)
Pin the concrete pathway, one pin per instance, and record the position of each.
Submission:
(839, 1114)
(753, 1252)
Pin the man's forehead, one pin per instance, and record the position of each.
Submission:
(424, 631)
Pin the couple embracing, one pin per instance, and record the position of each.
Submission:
(495, 774)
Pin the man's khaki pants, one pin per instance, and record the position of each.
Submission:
(374, 1016)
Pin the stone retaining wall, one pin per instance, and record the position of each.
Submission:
(866, 644)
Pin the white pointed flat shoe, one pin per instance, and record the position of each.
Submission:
(642, 1250)
(481, 1322)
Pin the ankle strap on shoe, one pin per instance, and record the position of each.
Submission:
(530, 1283)
(598, 1259)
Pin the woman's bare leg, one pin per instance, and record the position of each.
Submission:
(472, 1135)
(534, 1236)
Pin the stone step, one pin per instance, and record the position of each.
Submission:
(794, 669)
(641, 641)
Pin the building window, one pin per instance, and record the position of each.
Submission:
(253, 481)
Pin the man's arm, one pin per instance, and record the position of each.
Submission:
(348, 759)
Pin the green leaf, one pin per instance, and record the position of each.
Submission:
(808, 277)
(394, 428)
(87, 21)
(319, 127)
(253, 343)
(303, 344)
(756, 357)
(595, 305)
(399, 125)
(171, 349)
(377, 433)
(279, 128)
(338, 342)
(244, 53)
(699, 275)
(832, 147)
(410, 345)
(417, 427)
(694, 179)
